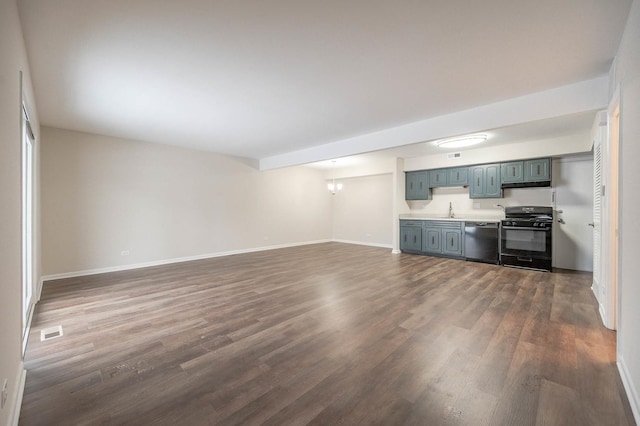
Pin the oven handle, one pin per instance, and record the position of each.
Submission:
(526, 228)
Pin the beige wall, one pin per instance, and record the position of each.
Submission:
(627, 76)
(13, 60)
(104, 195)
(363, 210)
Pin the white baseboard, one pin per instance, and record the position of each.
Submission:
(362, 243)
(632, 392)
(596, 293)
(175, 260)
(22, 376)
(39, 290)
(602, 313)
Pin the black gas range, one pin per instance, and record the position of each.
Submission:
(526, 237)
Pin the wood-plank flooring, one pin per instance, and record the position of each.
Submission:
(323, 334)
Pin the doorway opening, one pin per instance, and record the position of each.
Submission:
(28, 140)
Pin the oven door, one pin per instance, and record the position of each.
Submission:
(526, 242)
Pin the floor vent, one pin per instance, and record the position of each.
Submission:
(51, 333)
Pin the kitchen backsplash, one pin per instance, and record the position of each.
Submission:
(463, 206)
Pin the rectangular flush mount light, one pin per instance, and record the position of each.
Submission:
(461, 141)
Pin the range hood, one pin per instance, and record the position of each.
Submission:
(540, 184)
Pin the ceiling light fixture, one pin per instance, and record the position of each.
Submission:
(461, 141)
(332, 186)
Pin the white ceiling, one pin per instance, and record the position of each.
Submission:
(263, 78)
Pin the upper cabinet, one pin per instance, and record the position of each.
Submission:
(454, 176)
(512, 172)
(537, 170)
(458, 176)
(485, 181)
(525, 173)
(417, 185)
(437, 178)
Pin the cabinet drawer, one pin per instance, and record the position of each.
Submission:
(451, 224)
(404, 222)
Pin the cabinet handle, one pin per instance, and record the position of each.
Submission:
(420, 185)
(491, 180)
(457, 175)
(451, 242)
(405, 238)
(411, 185)
(513, 171)
(433, 241)
(414, 239)
(538, 168)
(478, 184)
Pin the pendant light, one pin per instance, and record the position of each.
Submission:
(333, 186)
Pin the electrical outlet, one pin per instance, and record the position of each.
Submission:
(3, 395)
(124, 253)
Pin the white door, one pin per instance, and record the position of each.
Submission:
(598, 134)
(572, 238)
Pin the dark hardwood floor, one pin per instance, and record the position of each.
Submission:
(323, 334)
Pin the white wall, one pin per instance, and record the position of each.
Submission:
(627, 76)
(465, 207)
(104, 195)
(363, 210)
(13, 60)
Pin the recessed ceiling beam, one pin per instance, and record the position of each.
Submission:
(589, 95)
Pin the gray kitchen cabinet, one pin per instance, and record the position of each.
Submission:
(512, 172)
(537, 170)
(458, 176)
(417, 185)
(432, 242)
(411, 236)
(452, 242)
(485, 181)
(443, 237)
(437, 178)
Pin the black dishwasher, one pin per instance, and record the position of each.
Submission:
(481, 241)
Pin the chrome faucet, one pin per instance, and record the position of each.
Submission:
(451, 215)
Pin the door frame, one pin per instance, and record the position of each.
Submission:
(611, 214)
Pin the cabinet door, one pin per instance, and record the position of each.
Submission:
(493, 187)
(452, 242)
(423, 190)
(458, 176)
(437, 178)
(477, 175)
(512, 172)
(417, 185)
(537, 170)
(432, 240)
(410, 185)
(410, 238)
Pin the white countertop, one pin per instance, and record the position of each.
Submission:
(462, 218)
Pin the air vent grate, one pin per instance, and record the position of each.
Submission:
(453, 155)
(51, 333)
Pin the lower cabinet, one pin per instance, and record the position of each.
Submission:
(436, 237)
(443, 237)
(411, 236)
